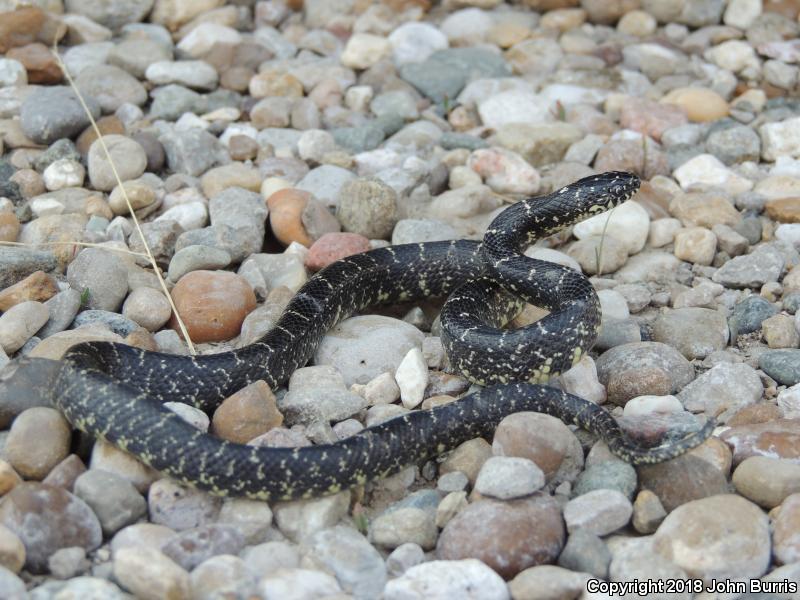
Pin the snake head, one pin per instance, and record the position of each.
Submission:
(616, 186)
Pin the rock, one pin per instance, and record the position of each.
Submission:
(103, 274)
(447, 579)
(682, 479)
(696, 209)
(197, 74)
(507, 536)
(367, 207)
(111, 86)
(247, 414)
(191, 151)
(548, 581)
(508, 477)
(20, 322)
(113, 499)
(734, 144)
(762, 265)
(54, 112)
(148, 308)
(695, 332)
(10, 583)
(39, 439)
(213, 304)
(412, 378)
(403, 525)
(180, 508)
(297, 584)
(358, 567)
(701, 105)
(628, 223)
(645, 116)
(46, 519)
(723, 390)
(731, 534)
(648, 512)
(149, 574)
(39, 62)
(193, 546)
(767, 481)
(785, 542)
(197, 258)
(504, 171)
(696, 245)
(245, 212)
(467, 458)
(299, 519)
(106, 457)
(585, 552)
(780, 138)
(781, 365)
(127, 155)
(12, 550)
(218, 575)
(779, 331)
(414, 42)
(111, 15)
(601, 512)
(609, 474)
(331, 247)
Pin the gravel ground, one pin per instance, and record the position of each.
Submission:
(260, 141)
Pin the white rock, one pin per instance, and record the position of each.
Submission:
(582, 381)
(297, 584)
(382, 389)
(789, 399)
(237, 129)
(789, 232)
(629, 223)
(43, 206)
(191, 215)
(553, 256)
(63, 173)
(149, 574)
(20, 322)
(314, 144)
(708, 170)
(194, 416)
(507, 477)
(733, 55)
(696, 245)
(781, 139)
(514, 106)
(613, 305)
(12, 73)
(642, 406)
(505, 171)
(358, 97)
(203, 37)
(467, 579)
(412, 378)
(600, 512)
(662, 231)
(191, 73)
(467, 26)
(414, 42)
(742, 13)
(364, 50)
(298, 519)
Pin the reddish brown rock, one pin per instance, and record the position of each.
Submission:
(247, 414)
(20, 27)
(507, 536)
(212, 304)
(110, 124)
(65, 473)
(778, 439)
(761, 412)
(39, 62)
(285, 216)
(334, 246)
(538, 437)
(38, 286)
(682, 480)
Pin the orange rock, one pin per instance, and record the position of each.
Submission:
(9, 227)
(285, 216)
(38, 286)
(110, 124)
(785, 210)
(701, 104)
(20, 27)
(212, 304)
(334, 246)
(247, 414)
(39, 62)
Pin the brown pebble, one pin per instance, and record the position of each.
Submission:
(467, 458)
(535, 436)
(30, 183)
(682, 480)
(236, 78)
(334, 246)
(247, 414)
(39, 62)
(107, 125)
(242, 147)
(778, 439)
(8, 478)
(20, 27)
(507, 536)
(39, 440)
(212, 304)
(285, 216)
(648, 512)
(38, 286)
(65, 473)
(760, 412)
(784, 210)
(9, 227)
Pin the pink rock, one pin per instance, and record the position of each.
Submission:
(334, 246)
(651, 118)
(504, 171)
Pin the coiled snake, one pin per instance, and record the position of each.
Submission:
(116, 392)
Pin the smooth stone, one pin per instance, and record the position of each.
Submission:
(447, 579)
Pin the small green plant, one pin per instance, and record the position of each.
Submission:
(598, 252)
(360, 518)
(559, 111)
(84, 297)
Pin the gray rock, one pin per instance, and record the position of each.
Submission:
(734, 144)
(8, 188)
(110, 14)
(753, 270)
(13, 587)
(695, 332)
(193, 151)
(610, 475)
(359, 139)
(616, 332)
(194, 258)
(358, 567)
(445, 73)
(600, 512)
(136, 54)
(468, 578)
(367, 207)
(111, 87)
(161, 238)
(113, 499)
(114, 321)
(585, 552)
(53, 112)
(128, 161)
(325, 182)
(782, 365)
(308, 406)
(197, 74)
(191, 547)
(60, 149)
(265, 558)
(451, 140)
(508, 477)
(68, 562)
(220, 237)
(102, 273)
(171, 101)
(245, 212)
(723, 390)
(89, 588)
(408, 231)
(179, 507)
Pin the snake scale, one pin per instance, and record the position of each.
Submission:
(116, 392)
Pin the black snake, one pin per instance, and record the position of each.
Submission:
(116, 392)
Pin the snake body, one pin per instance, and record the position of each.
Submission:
(116, 392)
